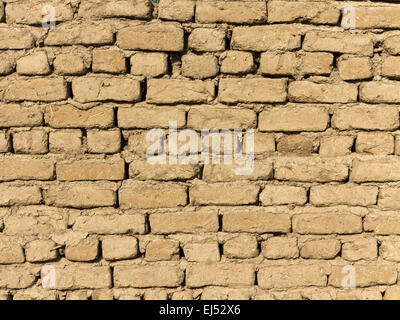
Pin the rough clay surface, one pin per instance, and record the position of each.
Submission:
(76, 191)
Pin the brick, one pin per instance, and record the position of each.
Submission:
(127, 294)
(10, 252)
(375, 170)
(181, 295)
(303, 11)
(231, 12)
(382, 224)
(65, 141)
(392, 293)
(69, 64)
(234, 193)
(146, 195)
(119, 247)
(307, 170)
(67, 34)
(34, 64)
(77, 295)
(34, 221)
(108, 61)
(16, 38)
(345, 194)
(316, 63)
(95, 9)
(91, 170)
(149, 64)
(111, 224)
(366, 117)
(41, 251)
(291, 276)
(355, 68)
(281, 194)
(162, 249)
(10, 195)
(293, 118)
(34, 142)
(375, 143)
(389, 250)
(280, 248)
(221, 118)
(282, 64)
(360, 249)
(392, 44)
(143, 170)
(223, 293)
(155, 294)
(257, 222)
(264, 143)
(5, 142)
(150, 117)
(295, 145)
(366, 275)
(236, 62)
(375, 17)
(86, 250)
(67, 116)
(176, 10)
(389, 67)
(16, 12)
(90, 89)
(341, 42)
(104, 141)
(359, 294)
(202, 252)
(7, 63)
(145, 276)
(4, 294)
(241, 247)
(26, 169)
(39, 89)
(152, 36)
(320, 249)
(263, 38)
(15, 115)
(34, 294)
(261, 170)
(336, 146)
(389, 198)
(199, 66)
(378, 92)
(16, 277)
(204, 39)
(307, 91)
(184, 222)
(83, 277)
(170, 91)
(252, 90)
(83, 195)
(228, 274)
(397, 145)
(327, 223)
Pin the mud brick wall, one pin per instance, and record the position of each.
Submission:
(82, 204)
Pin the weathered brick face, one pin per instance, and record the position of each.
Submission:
(83, 103)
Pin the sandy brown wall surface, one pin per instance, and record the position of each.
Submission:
(107, 189)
